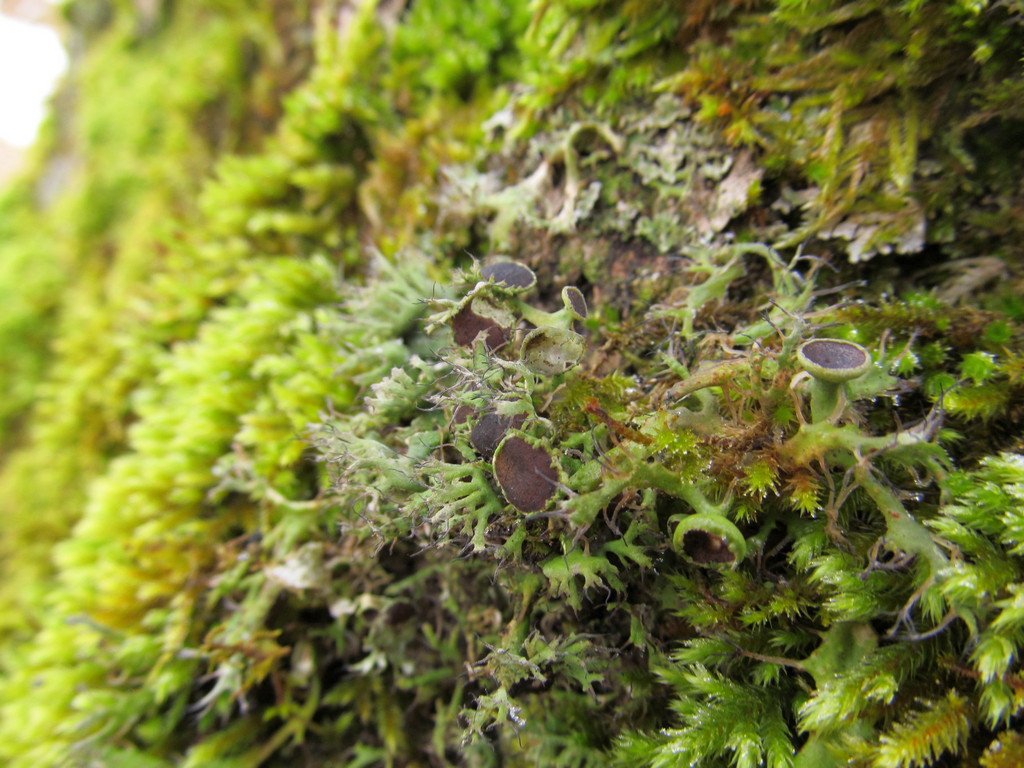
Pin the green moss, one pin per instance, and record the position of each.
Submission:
(252, 514)
(140, 136)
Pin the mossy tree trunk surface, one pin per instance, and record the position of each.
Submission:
(518, 382)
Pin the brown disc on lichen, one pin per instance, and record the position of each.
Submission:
(709, 539)
(512, 275)
(834, 360)
(467, 325)
(526, 474)
(489, 431)
(705, 547)
(572, 298)
(462, 414)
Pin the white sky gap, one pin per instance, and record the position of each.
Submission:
(32, 60)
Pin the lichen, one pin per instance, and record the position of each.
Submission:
(452, 408)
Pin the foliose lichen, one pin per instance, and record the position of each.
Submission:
(463, 416)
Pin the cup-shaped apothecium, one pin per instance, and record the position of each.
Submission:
(526, 473)
(834, 360)
(482, 314)
(709, 540)
(831, 363)
(490, 429)
(510, 275)
(574, 303)
(549, 351)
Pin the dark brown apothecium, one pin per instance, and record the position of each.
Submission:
(489, 431)
(709, 539)
(705, 547)
(525, 473)
(510, 274)
(572, 298)
(482, 314)
(834, 360)
(467, 325)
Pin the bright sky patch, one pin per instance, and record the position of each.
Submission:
(32, 59)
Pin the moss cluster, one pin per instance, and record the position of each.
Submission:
(436, 384)
(93, 252)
